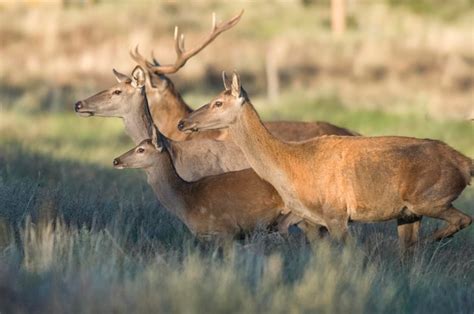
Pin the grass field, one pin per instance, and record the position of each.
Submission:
(95, 240)
(77, 236)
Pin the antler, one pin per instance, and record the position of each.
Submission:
(136, 55)
(182, 55)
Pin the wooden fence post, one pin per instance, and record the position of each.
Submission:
(338, 17)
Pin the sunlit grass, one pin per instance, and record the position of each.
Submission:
(95, 240)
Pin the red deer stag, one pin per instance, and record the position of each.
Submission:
(168, 107)
(192, 159)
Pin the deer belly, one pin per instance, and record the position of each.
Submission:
(346, 202)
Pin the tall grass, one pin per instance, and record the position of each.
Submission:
(78, 236)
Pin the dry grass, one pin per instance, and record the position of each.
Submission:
(77, 236)
(94, 239)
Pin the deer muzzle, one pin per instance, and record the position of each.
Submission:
(186, 125)
(118, 163)
(81, 109)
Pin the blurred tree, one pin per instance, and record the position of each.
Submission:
(275, 52)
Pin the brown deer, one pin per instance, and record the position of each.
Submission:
(128, 100)
(168, 107)
(332, 180)
(193, 159)
(212, 206)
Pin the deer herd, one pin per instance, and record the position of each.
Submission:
(223, 172)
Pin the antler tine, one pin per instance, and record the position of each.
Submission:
(213, 20)
(183, 56)
(176, 40)
(153, 58)
(137, 56)
(181, 44)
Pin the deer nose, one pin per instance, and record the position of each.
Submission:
(181, 125)
(116, 162)
(78, 106)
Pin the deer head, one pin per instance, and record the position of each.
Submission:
(116, 101)
(221, 112)
(143, 155)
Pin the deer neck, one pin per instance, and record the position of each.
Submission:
(262, 150)
(167, 109)
(168, 186)
(138, 123)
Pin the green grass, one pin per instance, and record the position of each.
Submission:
(95, 240)
(459, 134)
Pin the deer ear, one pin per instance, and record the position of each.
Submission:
(156, 139)
(121, 77)
(138, 77)
(154, 136)
(225, 81)
(236, 86)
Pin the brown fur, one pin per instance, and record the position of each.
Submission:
(194, 158)
(211, 206)
(332, 180)
(168, 108)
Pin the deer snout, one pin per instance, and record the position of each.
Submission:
(117, 163)
(78, 106)
(180, 125)
(82, 109)
(187, 126)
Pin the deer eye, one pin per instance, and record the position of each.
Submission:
(117, 92)
(140, 150)
(218, 104)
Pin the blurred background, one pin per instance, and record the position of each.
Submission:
(379, 67)
(392, 55)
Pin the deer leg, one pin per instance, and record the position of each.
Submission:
(312, 232)
(456, 220)
(285, 222)
(338, 229)
(408, 231)
(221, 246)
